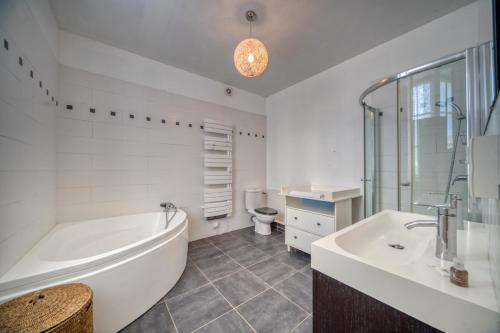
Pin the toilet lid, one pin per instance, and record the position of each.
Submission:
(266, 211)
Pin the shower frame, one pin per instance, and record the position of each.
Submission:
(476, 76)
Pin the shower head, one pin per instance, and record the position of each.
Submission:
(449, 101)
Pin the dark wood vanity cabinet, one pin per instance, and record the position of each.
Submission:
(338, 308)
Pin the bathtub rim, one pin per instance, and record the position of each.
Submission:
(98, 262)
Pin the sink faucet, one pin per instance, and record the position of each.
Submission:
(167, 208)
(446, 223)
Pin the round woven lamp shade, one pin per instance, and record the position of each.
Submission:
(250, 57)
(65, 308)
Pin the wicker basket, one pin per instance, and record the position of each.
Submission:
(65, 308)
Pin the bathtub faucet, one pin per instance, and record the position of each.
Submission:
(167, 208)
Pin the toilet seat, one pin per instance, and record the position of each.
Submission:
(266, 211)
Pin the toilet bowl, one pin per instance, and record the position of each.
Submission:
(262, 216)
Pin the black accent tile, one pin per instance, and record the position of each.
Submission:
(131, 116)
(177, 123)
(263, 137)
(57, 103)
(47, 92)
(271, 312)
(40, 84)
(256, 135)
(202, 127)
(148, 118)
(231, 322)
(155, 320)
(272, 271)
(191, 278)
(31, 74)
(92, 110)
(163, 121)
(240, 287)
(112, 113)
(196, 308)
(248, 134)
(52, 98)
(6, 44)
(190, 125)
(298, 288)
(21, 62)
(69, 107)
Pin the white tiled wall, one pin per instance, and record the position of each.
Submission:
(27, 130)
(114, 165)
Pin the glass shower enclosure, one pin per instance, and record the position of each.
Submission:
(417, 127)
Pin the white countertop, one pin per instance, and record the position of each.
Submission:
(331, 193)
(415, 284)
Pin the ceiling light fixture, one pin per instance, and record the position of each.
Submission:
(250, 56)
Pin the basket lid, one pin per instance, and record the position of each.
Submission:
(43, 309)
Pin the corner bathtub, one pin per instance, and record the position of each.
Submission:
(130, 262)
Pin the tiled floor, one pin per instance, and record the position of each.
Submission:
(236, 282)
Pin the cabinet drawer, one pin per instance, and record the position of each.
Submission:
(299, 239)
(318, 224)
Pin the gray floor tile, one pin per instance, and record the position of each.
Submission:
(154, 320)
(222, 238)
(247, 255)
(305, 327)
(196, 308)
(198, 243)
(272, 271)
(240, 287)
(298, 288)
(203, 252)
(271, 312)
(231, 322)
(296, 259)
(307, 270)
(271, 246)
(190, 279)
(279, 236)
(218, 266)
(232, 243)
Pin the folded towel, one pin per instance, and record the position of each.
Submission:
(308, 195)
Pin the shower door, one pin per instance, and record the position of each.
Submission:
(432, 134)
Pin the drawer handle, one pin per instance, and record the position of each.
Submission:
(295, 217)
(318, 224)
(295, 237)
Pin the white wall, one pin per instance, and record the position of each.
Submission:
(80, 52)
(27, 126)
(315, 128)
(110, 166)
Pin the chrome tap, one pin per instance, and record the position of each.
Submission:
(167, 208)
(446, 223)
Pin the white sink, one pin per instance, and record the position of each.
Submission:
(407, 275)
(386, 241)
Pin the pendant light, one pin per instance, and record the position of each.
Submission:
(250, 56)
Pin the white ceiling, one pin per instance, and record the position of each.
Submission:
(303, 37)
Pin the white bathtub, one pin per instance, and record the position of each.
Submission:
(130, 262)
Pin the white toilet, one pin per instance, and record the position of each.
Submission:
(255, 203)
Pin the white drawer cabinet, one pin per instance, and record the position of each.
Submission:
(309, 220)
(299, 239)
(314, 223)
